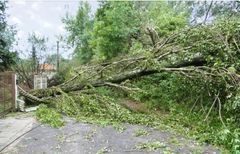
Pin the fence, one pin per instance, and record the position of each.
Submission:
(7, 92)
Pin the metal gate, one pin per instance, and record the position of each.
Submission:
(7, 92)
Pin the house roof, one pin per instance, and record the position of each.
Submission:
(47, 67)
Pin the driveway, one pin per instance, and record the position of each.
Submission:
(23, 135)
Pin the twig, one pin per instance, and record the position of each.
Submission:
(219, 111)
(172, 52)
(204, 111)
(194, 105)
(73, 78)
(235, 42)
(152, 34)
(209, 111)
(207, 13)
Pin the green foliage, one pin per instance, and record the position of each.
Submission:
(141, 132)
(212, 131)
(114, 24)
(164, 18)
(162, 91)
(233, 107)
(151, 145)
(49, 116)
(7, 33)
(79, 29)
(103, 150)
(188, 101)
(95, 106)
(66, 70)
(7, 59)
(118, 26)
(221, 52)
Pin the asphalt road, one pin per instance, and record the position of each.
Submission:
(81, 138)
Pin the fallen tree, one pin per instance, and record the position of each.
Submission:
(117, 78)
(209, 54)
(203, 52)
(186, 52)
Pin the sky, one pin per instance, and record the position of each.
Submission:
(42, 17)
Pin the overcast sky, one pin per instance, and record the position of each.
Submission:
(42, 17)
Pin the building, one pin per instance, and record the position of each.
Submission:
(47, 69)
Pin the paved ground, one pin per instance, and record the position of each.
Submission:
(13, 127)
(82, 138)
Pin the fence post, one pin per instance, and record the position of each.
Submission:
(14, 86)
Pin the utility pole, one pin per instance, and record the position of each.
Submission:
(58, 56)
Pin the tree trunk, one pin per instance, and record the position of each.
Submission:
(51, 92)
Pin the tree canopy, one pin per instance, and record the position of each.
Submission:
(7, 58)
(79, 32)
